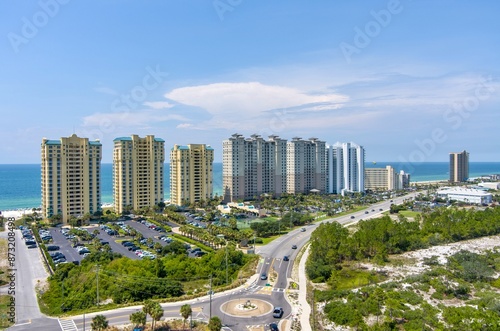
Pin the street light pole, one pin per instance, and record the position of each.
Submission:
(210, 306)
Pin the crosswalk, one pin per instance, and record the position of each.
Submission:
(258, 288)
(67, 325)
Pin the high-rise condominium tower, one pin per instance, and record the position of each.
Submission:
(306, 166)
(459, 167)
(137, 172)
(191, 173)
(253, 166)
(346, 168)
(71, 176)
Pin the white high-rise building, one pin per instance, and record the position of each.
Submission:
(346, 168)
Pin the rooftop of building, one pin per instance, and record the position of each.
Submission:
(462, 191)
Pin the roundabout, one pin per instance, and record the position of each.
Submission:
(246, 307)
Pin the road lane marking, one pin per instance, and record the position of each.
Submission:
(67, 325)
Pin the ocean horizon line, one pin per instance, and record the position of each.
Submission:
(21, 186)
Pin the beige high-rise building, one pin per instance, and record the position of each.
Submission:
(306, 166)
(380, 178)
(386, 179)
(253, 166)
(71, 177)
(191, 173)
(459, 167)
(138, 172)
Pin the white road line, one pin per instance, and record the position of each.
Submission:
(67, 325)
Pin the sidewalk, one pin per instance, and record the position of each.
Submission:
(305, 308)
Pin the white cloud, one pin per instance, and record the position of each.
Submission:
(158, 104)
(251, 105)
(129, 119)
(184, 126)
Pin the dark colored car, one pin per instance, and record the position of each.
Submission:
(278, 312)
(366, 212)
(56, 255)
(294, 246)
(273, 327)
(31, 246)
(352, 216)
(52, 248)
(285, 258)
(30, 242)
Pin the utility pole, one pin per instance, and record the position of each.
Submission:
(227, 280)
(210, 306)
(97, 281)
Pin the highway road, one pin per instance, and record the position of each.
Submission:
(271, 290)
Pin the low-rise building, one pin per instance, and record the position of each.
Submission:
(465, 195)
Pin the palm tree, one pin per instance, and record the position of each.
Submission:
(138, 318)
(156, 313)
(215, 324)
(99, 322)
(186, 311)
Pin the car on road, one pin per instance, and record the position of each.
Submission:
(352, 216)
(373, 209)
(277, 312)
(380, 209)
(285, 258)
(366, 212)
(273, 327)
(263, 276)
(294, 246)
(303, 230)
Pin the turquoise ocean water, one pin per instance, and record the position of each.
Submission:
(20, 183)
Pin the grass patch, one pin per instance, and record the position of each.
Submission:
(349, 278)
(409, 213)
(3, 262)
(267, 240)
(4, 308)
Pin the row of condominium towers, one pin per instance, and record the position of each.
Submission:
(253, 166)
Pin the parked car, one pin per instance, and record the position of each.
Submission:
(56, 255)
(31, 246)
(278, 312)
(52, 248)
(30, 242)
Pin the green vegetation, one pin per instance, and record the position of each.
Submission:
(122, 280)
(468, 277)
(4, 309)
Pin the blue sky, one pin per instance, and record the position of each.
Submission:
(409, 80)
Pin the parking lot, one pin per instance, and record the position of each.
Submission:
(143, 227)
